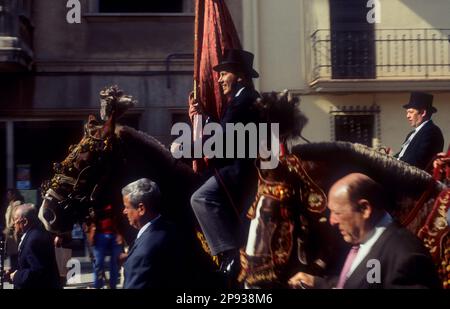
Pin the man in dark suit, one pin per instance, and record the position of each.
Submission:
(426, 140)
(218, 203)
(37, 268)
(151, 261)
(383, 254)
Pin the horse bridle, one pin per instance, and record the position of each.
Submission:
(72, 198)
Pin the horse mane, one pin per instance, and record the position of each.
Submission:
(383, 168)
(283, 109)
(149, 144)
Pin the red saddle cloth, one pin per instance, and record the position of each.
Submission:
(435, 235)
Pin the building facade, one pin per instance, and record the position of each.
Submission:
(53, 66)
(353, 62)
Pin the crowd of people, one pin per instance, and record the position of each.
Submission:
(356, 205)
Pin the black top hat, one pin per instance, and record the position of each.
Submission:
(421, 100)
(237, 60)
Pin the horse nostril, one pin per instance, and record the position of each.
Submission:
(49, 215)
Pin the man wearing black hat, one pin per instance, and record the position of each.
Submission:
(426, 140)
(219, 202)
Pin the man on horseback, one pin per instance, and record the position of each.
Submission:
(426, 140)
(219, 202)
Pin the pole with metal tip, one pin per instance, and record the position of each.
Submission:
(2, 260)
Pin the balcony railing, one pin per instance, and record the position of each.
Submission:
(16, 34)
(397, 54)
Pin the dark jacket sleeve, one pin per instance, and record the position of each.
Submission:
(325, 282)
(414, 271)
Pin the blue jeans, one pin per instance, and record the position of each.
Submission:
(104, 244)
(215, 216)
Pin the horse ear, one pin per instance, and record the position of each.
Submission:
(91, 127)
(109, 126)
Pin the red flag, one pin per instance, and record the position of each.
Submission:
(214, 32)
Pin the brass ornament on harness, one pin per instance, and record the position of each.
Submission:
(436, 237)
(289, 224)
(70, 175)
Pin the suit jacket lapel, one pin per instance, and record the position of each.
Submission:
(358, 279)
(148, 230)
(409, 134)
(134, 245)
(417, 137)
(22, 244)
(422, 131)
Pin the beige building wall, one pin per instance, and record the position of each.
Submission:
(279, 33)
(393, 124)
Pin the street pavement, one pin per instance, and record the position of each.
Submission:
(87, 277)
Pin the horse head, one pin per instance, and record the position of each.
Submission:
(288, 226)
(73, 192)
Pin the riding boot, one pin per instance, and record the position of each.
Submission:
(230, 267)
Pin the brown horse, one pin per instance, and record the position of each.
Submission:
(291, 226)
(107, 158)
(289, 231)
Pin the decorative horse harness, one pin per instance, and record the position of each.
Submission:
(280, 223)
(72, 176)
(435, 234)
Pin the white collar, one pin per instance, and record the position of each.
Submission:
(382, 224)
(239, 92)
(364, 248)
(411, 137)
(21, 240)
(145, 227)
(421, 125)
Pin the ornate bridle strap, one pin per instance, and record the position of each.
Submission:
(314, 196)
(436, 226)
(51, 194)
(277, 190)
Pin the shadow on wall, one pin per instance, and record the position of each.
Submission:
(435, 12)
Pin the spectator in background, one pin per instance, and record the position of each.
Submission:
(426, 140)
(37, 267)
(14, 199)
(105, 240)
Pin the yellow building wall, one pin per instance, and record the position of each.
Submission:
(393, 123)
(279, 33)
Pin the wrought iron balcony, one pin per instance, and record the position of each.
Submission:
(15, 35)
(387, 54)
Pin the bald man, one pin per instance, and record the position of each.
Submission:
(37, 267)
(383, 254)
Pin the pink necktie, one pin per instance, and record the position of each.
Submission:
(348, 264)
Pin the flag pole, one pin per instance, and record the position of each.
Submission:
(196, 47)
(198, 41)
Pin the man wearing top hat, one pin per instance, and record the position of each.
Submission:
(227, 192)
(426, 140)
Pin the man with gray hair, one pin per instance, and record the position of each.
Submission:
(37, 268)
(151, 260)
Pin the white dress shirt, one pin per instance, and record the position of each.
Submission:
(365, 247)
(21, 240)
(146, 226)
(239, 92)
